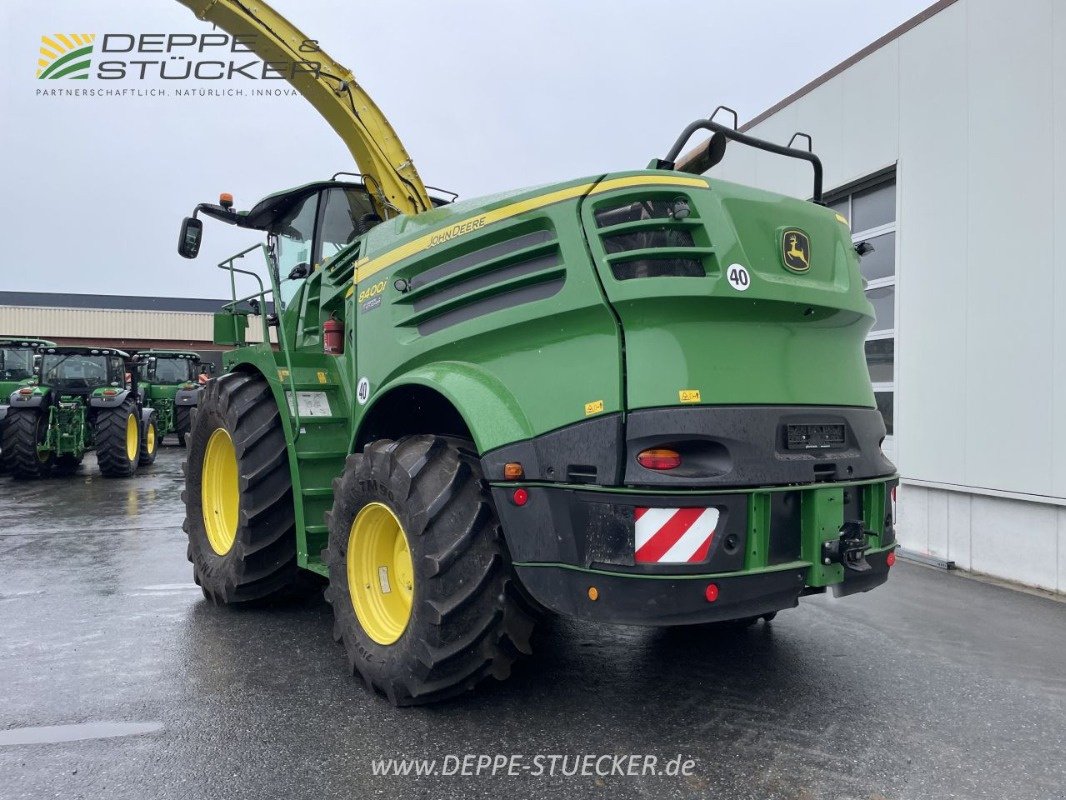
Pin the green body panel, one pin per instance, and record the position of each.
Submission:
(8, 385)
(793, 339)
(588, 344)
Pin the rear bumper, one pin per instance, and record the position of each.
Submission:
(766, 550)
(666, 601)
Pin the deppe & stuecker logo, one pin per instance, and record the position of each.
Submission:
(211, 56)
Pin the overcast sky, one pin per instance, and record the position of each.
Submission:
(487, 96)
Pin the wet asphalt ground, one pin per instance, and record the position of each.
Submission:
(117, 680)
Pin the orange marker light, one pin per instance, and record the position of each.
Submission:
(659, 458)
(513, 471)
(594, 594)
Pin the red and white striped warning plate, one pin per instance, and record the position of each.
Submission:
(673, 535)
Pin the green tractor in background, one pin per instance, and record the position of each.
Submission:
(169, 384)
(81, 399)
(16, 367)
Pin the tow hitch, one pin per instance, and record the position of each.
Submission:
(849, 549)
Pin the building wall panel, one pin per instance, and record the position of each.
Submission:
(932, 385)
(1010, 259)
(82, 323)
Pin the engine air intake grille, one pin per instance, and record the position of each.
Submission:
(521, 267)
(651, 238)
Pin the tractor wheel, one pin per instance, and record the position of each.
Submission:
(239, 512)
(24, 429)
(149, 441)
(182, 426)
(67, 465)
(118, 440)
(419, 576)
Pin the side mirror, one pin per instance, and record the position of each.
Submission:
(301, 270)
(710, 155)
(192, 231)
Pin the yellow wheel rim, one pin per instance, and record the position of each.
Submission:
(133, 439)
(149, 440)
(219, 492)
(381, 575)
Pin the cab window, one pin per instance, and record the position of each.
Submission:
(343, 219)
(291, 241)
(16, 363)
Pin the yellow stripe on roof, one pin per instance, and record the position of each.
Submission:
(370, 266)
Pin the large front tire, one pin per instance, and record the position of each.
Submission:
(420, 579)
(118, 440)
(149, 441)
(239, 513)
(24, 430)
(182, 423)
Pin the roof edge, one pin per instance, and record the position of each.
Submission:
(831, 73)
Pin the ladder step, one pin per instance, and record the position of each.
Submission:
(320, 455)
(317, 491)
(316, 529)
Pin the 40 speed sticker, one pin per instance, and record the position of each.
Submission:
(738, 277)
(362, 391)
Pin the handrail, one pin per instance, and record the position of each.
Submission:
(751, 141)
(283, 344)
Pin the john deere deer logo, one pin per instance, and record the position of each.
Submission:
(796, 250)
(65, 55)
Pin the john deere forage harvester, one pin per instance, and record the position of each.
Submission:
(638, 397)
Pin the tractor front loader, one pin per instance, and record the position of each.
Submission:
(79, 400)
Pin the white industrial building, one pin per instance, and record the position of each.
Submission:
(944, 144)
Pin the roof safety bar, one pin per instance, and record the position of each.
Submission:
(714, 150)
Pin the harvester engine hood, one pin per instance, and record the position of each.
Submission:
(731, 295)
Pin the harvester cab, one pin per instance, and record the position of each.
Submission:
(638, 397)
(169, 383)
(79, 399)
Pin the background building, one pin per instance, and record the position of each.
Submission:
(128, 323)
(944, 143)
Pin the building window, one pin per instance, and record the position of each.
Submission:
(870, 207)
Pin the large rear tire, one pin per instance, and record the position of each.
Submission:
(149, 441)
(24, 429)
(420, 579)
(239, 513)
(118, 440)
(182, 423)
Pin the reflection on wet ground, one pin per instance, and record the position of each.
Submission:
(934, 686)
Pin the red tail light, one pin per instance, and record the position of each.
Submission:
(26, 390)
(659, 458)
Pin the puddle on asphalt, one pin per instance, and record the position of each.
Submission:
(54, 734)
